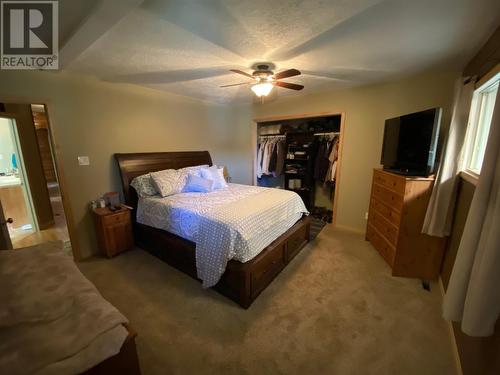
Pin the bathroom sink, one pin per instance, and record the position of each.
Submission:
(6, 181)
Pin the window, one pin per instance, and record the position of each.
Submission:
(483, 103)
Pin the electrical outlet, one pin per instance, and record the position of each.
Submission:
(366, 215)
(83, 160)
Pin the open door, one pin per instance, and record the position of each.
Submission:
(5, 243)
(17, 216)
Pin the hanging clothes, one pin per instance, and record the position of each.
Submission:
(320, 162)
(273, 159)
(271, 154)
(260, 155)
(332, 159)
(280, 157)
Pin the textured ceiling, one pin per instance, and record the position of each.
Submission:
(187, 47)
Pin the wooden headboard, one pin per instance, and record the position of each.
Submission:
(133, 165)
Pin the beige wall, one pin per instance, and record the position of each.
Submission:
(99, 119)
(366, 109)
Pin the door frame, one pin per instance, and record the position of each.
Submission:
(59, 167)
(26, 189)
(258, 120)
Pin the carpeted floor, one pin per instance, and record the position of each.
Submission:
(334, 310)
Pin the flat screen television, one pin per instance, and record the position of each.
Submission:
(410, 143)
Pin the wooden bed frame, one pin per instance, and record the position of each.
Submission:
(241, 282)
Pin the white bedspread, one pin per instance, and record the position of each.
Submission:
(233, 223)
(52, 319)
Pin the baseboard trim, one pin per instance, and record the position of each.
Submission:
(456, 353)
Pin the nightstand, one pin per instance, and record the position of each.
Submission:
(114, 230)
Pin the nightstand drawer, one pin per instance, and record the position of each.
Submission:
(117, 218)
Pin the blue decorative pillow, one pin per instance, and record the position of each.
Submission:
(195, 184)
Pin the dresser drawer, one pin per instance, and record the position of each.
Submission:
(118, 218)
(389, 231)
(385, 249)
(390, 181)
(388, 197)
(391, 215)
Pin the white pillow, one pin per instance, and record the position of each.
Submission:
(216, 175)
(197, 184)
(169, 181)
(143, 185)
(196, 170)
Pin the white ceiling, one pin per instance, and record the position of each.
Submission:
(186, 47)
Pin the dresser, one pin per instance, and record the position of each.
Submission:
(397, 210)
(114, 230)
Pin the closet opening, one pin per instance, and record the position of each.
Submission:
(302, 154)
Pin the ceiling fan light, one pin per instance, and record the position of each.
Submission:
(262, 89)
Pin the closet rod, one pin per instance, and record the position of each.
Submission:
(273, 135)
(329, 133)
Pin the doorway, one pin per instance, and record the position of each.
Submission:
(14, 193)
(29, 189)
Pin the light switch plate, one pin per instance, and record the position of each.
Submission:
(83, 160)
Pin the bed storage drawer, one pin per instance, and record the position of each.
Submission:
(296, 241)
(267, 268)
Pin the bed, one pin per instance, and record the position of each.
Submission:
(54, 321)
(242, 281)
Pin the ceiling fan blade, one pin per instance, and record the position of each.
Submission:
(288, 85)
(236, 84)
(287, 73)
(241, 72)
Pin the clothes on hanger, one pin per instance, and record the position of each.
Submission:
(332, 159)
(325, 163)
(270, 156)
(280, 157)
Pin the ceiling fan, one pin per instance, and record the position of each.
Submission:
(264, 79)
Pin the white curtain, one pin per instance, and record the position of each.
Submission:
(473, 294)
(438, 217)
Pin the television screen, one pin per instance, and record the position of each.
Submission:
(410, 142)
